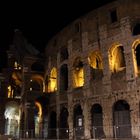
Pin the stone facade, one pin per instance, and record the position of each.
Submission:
(108, 87)
(88, 84)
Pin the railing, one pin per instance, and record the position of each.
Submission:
(121, 132)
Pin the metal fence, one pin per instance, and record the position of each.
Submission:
(126, 132)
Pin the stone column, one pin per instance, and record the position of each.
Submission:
(70, 117)
(57, 96)
(107, 118)
(87, 121)
(104, 46)
(70, 76)
(87, 72)
(70, 122)
(85, 59)
(131, 69)
(57, 115)
(135, 117)
(30, 123)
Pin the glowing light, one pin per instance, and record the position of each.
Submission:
(52, 85)
(78, 76)
(39, 108)
(116, 58)
(134, 46)
(12, 117)
(31, 89)
(10, 92)
(15, 65)
(38, 118)
(95, 60)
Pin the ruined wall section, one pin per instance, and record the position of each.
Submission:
(96, 33)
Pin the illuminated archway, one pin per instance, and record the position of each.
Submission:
(12, 116)
(78, 73)
(52, 83)
(38, 119)
(116, 58)
(96, 64)
(136, 56)
(37, 83)
(95, 60)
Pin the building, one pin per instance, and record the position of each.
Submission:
(86, 86)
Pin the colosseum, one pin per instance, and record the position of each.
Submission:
(85, 86)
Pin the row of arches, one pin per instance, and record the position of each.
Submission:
(117, 63)
(120, 114)
(121, 120)
(17, 121)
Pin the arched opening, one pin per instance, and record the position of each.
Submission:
(78, 121)
(14, 89)
(97, 121)
(12, 117)
(38, 119)
(121, 119)
(137, 59)
(64, 78)
(136, 29)
(64, 132)
(34, 86)
(96, 63)
(63, 54)
(52, 83)
(41, 116)
(52, 126)
(78, 73)
(37, 83)
(117, 59)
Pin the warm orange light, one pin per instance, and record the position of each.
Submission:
(95, 60)
(10, 92)
(78, 77)
(116, 58)
(52, 84)
(39, 109)
(134, 46)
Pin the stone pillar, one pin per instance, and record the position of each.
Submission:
(107, 118)
(57, 96)
(87, 121)
(104, 44)
(57, 115)
(70, 80)
(70, 117)
(135, 117)
(70, 122)
(131, 70)
(30, 123)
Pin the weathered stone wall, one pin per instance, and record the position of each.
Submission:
(98, 33)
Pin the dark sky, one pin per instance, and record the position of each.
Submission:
(39, 21)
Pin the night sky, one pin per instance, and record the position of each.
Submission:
(39, 21)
